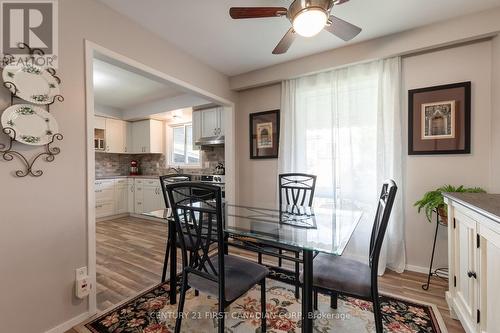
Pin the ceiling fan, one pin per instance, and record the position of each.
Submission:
(308, 18)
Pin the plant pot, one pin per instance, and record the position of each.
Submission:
(442, 215)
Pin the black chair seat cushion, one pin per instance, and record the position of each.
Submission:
(241, 275)
(341, 274)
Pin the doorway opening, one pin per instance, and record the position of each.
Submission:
(142, 123)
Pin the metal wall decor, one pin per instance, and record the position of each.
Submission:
(7, 151)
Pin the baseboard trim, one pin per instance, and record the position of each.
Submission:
(70, 323)
(417, 269)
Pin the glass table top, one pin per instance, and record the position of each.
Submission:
(322, 229)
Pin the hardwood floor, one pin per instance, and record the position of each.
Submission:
(130, 254)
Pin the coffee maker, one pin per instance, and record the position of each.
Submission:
(134, 168)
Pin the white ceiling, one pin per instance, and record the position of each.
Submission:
(122, 89)
(205, 30)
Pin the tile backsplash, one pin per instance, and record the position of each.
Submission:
(118, 164)
(151, 164)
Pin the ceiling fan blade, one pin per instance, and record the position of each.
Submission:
(285, 42)
(339, 2)
(256, 12)
(342, 29)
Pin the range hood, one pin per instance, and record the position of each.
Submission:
(211, 141)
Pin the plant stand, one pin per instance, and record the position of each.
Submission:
(443, 271)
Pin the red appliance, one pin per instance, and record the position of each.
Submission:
(134, 168)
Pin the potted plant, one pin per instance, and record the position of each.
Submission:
(433, 201)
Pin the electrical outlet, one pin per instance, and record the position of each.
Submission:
(82, 283)
(81, 273)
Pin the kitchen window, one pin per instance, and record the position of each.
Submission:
(181, 147)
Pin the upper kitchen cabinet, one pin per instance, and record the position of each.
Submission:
(147, 136)
(116, 136)
(208, 123)
(110, 135)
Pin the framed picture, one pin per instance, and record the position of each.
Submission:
(439, 119)
(264, 134)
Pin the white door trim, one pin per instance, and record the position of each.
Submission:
(230, 154)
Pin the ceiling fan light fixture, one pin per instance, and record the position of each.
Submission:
(310, 21)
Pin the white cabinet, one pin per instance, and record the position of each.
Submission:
(116, 136)
(196, 125)
(104, 198)
(127, 195)
(208, 123)
(474, 252)
(147, 136)
(121, 196)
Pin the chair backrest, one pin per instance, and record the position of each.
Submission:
(169, 179)
(197, 211)
(296, 189)
(384, 208)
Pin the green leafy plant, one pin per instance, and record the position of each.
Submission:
(434, 200)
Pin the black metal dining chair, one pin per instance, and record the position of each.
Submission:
(164, 181)
(295, 190)
(338, 275)
(197, 210)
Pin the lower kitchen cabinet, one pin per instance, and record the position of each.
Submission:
(127, 196)
(474, 284)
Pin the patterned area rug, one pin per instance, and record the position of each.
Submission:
(151, 312)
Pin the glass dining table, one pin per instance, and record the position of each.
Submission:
(324, 229)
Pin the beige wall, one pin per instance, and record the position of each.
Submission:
(440, 34)
(423, 173)
(43, 224)
(469, 62)
(495, 112)
(256, 179)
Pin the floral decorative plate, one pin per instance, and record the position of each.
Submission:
(33, 125)
(34, 84)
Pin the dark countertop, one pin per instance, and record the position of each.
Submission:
(485, 204)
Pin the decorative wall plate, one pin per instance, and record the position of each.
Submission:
(32, 124)
(33, 84)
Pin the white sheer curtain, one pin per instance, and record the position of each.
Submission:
(345, 127)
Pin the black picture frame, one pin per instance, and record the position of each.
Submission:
(460, 91)
(265, 119)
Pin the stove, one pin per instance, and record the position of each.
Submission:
(216, 179)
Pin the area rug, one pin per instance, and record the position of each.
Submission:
(151, 312)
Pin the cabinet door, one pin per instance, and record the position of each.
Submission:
(140, 136)
(131, 196)
(465, 253)
(99, 123)
(139, 197)
(196, 123)
(121, 199)
(220, 118)
(156, 137)
(489, 285)
(150, 198)
(209, 122)
(115, 136)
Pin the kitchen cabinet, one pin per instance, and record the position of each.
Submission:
(104, 198)
(147, 136)
(208, 123)
(116, 136)
(196, 126)
(148, 196)
(473, 250)
(121, 196)
(127, 196)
